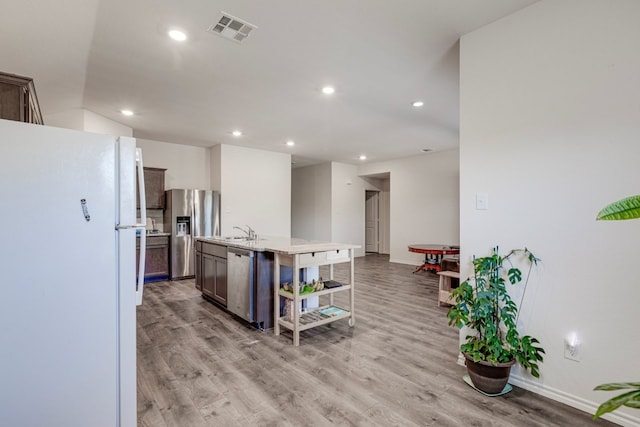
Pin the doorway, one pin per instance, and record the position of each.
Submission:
(372, 221)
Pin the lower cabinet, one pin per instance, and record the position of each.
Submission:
(214, 277)
(211, 271)
(156, 265)
(211, 280)
(198, 266)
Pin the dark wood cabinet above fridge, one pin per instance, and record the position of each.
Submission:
(18, 100)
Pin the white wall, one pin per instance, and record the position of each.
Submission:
(255, 188)
(311, 202)
(99, 124)
(216, 170)
(187, 166)
(85, 120)
(348, 206)
(328, 203)
(71, 119)
(550, 130)
(424, 201)
(420, 202)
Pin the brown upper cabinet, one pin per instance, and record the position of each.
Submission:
(154, 187)
(18, 100)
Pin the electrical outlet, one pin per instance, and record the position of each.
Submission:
(572, 350)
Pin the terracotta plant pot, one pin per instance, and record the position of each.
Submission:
(488, 377)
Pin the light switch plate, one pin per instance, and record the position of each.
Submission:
(482, 201)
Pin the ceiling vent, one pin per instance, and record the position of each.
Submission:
(232, 28)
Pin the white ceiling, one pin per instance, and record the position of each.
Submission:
(381, 55)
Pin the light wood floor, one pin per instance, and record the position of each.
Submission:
(199, 366)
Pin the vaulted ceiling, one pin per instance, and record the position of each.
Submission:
(379, 55)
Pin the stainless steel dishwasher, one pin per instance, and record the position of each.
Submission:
(240, 273)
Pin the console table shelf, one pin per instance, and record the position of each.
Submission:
(318, 316)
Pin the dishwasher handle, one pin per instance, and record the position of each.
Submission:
(239, 252)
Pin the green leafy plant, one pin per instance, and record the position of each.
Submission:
(483, 304)
(630, 399)
(623, 209)
(627, 208)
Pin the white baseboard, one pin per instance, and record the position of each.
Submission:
(573, 401)
(568, 399)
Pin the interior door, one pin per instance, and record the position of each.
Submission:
(372, 221)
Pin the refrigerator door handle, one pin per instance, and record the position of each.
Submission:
(142, 225)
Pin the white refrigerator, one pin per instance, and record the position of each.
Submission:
(68, 290)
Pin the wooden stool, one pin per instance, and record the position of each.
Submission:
(444, 292)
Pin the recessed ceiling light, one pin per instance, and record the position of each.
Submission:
(177, 35)
(417, 103)
(363, 157)
(328, 90)
(291, 143)
(426, 150)
(236, 133)
(126, 112)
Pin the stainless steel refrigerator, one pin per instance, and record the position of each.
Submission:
(189, 214)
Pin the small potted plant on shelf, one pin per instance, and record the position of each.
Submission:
(627, 208)
(483, 304)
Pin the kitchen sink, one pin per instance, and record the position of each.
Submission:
(236, 238)
(239, 239)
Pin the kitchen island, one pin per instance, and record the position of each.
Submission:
(252, 267)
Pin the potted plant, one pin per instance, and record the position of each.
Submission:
(483, 304)
(627, 208)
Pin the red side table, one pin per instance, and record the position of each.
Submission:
(433, 255)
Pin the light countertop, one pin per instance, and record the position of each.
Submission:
(285, 245)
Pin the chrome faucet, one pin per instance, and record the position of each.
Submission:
(250, 232)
